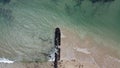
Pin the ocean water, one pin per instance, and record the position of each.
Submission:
(27, 26)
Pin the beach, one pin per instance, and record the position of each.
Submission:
(75, 54)
(85, 52)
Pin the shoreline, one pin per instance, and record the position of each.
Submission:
(76, 53)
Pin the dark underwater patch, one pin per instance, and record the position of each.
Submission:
(104, 1)
(6, 14)
(5, 1)
(78, 2)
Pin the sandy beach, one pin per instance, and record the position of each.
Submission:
(85, 53)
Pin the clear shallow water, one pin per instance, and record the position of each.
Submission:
(27, 27)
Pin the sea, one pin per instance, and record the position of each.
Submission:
(27, 26)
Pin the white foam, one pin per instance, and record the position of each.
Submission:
(4, 60)
(62, 35)
(83, 50)
(52, 57)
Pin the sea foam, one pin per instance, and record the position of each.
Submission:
(4, 60)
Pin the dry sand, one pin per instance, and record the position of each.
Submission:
(76, 53)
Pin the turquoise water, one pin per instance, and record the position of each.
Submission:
(27, 26)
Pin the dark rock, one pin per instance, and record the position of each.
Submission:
(57, 36)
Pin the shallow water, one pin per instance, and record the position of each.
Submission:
(27, 27)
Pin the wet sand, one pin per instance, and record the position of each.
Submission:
(86, 52)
